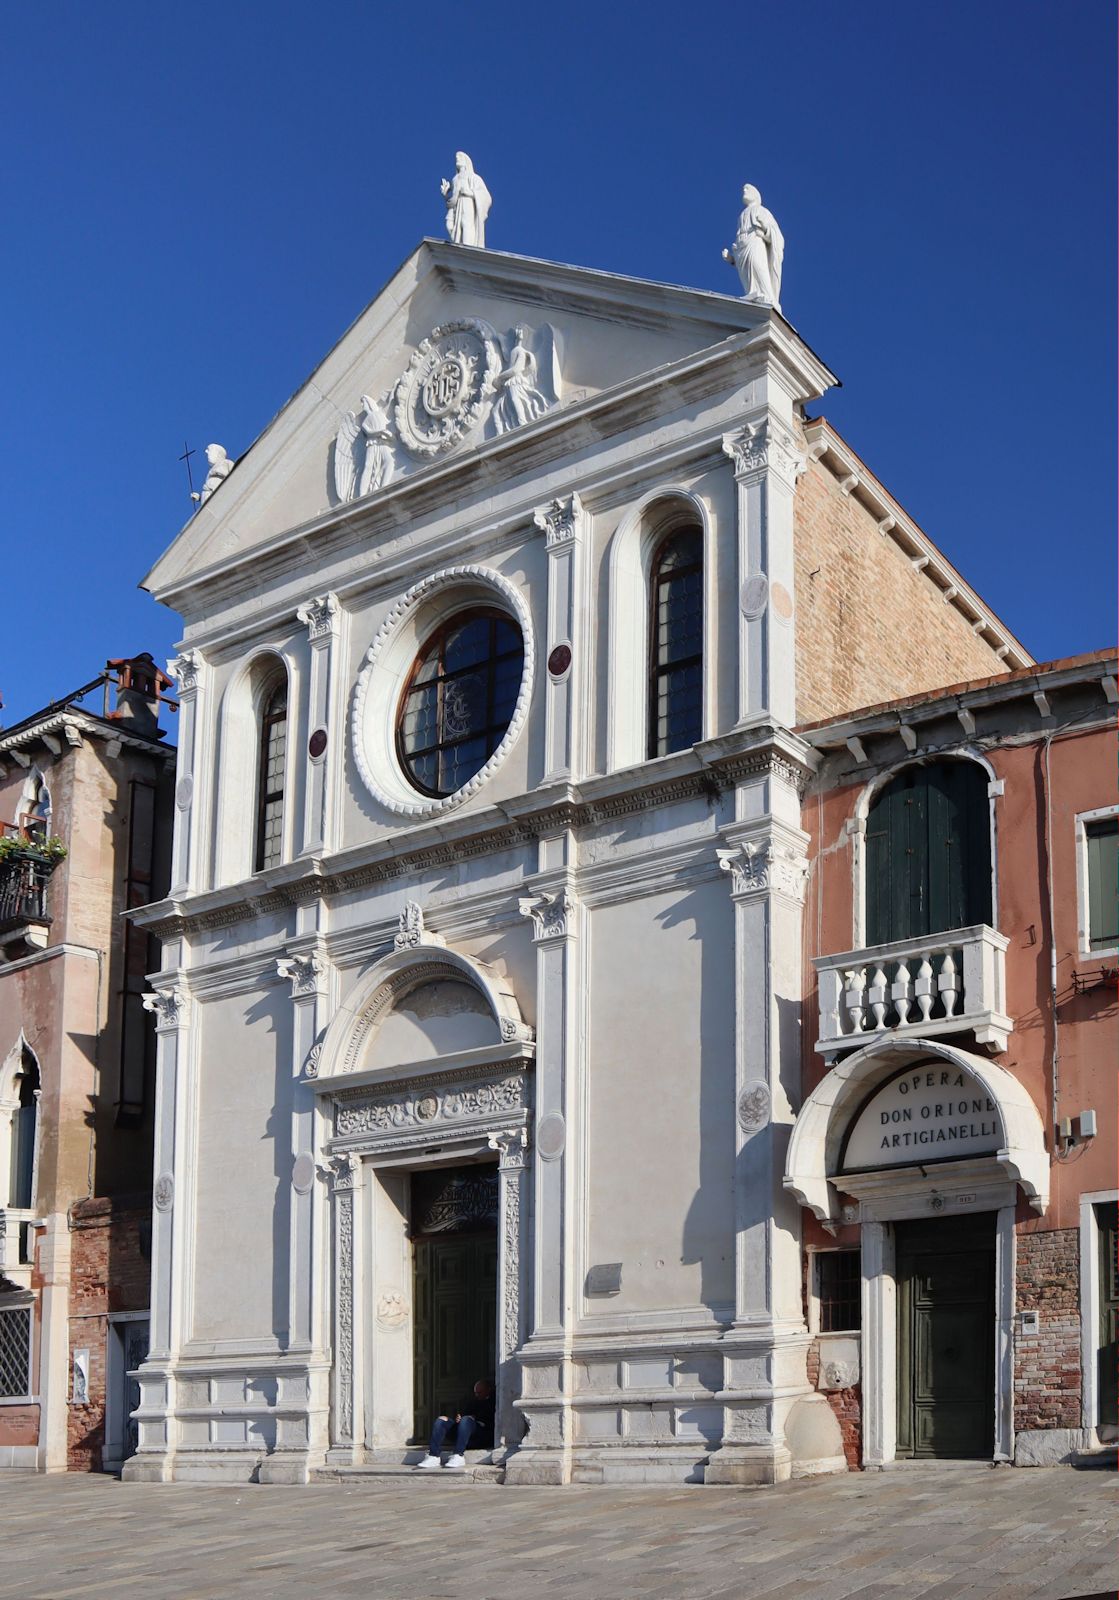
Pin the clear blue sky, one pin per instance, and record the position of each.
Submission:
(197, 200)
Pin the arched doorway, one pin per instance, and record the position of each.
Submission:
(425, 1086)
(928, 1146)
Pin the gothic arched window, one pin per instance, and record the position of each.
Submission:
(21, 1174)
(676, 643)
(270, 776)
(459, 700)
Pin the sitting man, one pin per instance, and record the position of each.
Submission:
(473, 1425)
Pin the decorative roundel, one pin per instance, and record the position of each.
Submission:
(316, 744)
(559, 660)
(447, 386)
(389, 663)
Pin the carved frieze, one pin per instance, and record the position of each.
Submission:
(428, 1105)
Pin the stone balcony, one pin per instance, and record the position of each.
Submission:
(953, 982)
(16, 1245)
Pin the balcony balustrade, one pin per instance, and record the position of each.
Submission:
(952, 982)
(23, 898)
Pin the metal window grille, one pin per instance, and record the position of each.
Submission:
(839, 1288)
(15, 1352)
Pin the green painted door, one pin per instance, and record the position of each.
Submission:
(928, 852)
(946, 1338)
(1108, 1219)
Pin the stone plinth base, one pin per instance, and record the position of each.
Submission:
(534, 1467)
(285, 1466)
(750, 1466)
(1051, 1447)
(146, 1469)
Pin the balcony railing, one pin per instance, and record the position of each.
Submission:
(23, 895)
(952, 982)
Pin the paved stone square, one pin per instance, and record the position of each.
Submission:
(939, 1533)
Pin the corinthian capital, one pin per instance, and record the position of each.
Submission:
(169, 1007)
(551, 914)
(560, 520)
(304, 973)
(185, 670)
(318, 616)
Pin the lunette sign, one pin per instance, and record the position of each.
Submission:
(926, 1113)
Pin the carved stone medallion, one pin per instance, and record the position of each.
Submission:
(753, 1107)
(448, 387)
(164, 1194)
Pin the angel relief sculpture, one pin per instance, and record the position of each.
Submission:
(363, 452)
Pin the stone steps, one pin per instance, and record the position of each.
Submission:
(396, 1466)
(393, 1477)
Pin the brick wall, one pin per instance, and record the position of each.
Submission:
(848, 1407)
(869, 626)
(110, 1272)
(1047, 1380)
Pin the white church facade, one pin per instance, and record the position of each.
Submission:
(479, 1013)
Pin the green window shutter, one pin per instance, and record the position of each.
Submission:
(1103, 883)
(928, 852)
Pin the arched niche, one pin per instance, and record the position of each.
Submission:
(842, 1105)
(238, 747)
(416, 1006)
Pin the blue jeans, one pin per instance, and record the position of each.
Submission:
(443, 1425)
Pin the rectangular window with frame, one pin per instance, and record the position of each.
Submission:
(1101, 844)
(839, 1290)
(15, 1352)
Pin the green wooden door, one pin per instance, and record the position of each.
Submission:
(1108, 1357)
(946, 1338)
(928, 852)
(455, 1321)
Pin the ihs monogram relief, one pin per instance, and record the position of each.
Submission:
(465, 379)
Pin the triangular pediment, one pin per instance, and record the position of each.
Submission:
(434, 367)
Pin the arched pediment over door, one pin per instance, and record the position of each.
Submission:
(914, 1116)
(415, 1008)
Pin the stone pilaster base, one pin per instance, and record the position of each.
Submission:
(751, 1466)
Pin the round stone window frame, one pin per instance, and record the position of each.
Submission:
(388, 663)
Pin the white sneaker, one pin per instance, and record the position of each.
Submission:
(455, 1463)
(428, 1464)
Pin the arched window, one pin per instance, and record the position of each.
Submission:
(676, 643)
(21, 1176)
(459, 699)
(270, 776)
(928, 852)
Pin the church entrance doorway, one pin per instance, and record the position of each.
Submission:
(454, 1213)
(945, 1273)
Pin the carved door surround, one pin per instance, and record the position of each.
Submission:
(379, 1134)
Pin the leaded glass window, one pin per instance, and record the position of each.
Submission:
(459, 700)
(676, 656)
(270, 780)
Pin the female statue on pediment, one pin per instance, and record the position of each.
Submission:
(468, 203)
(758, 251)
(520, 400)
